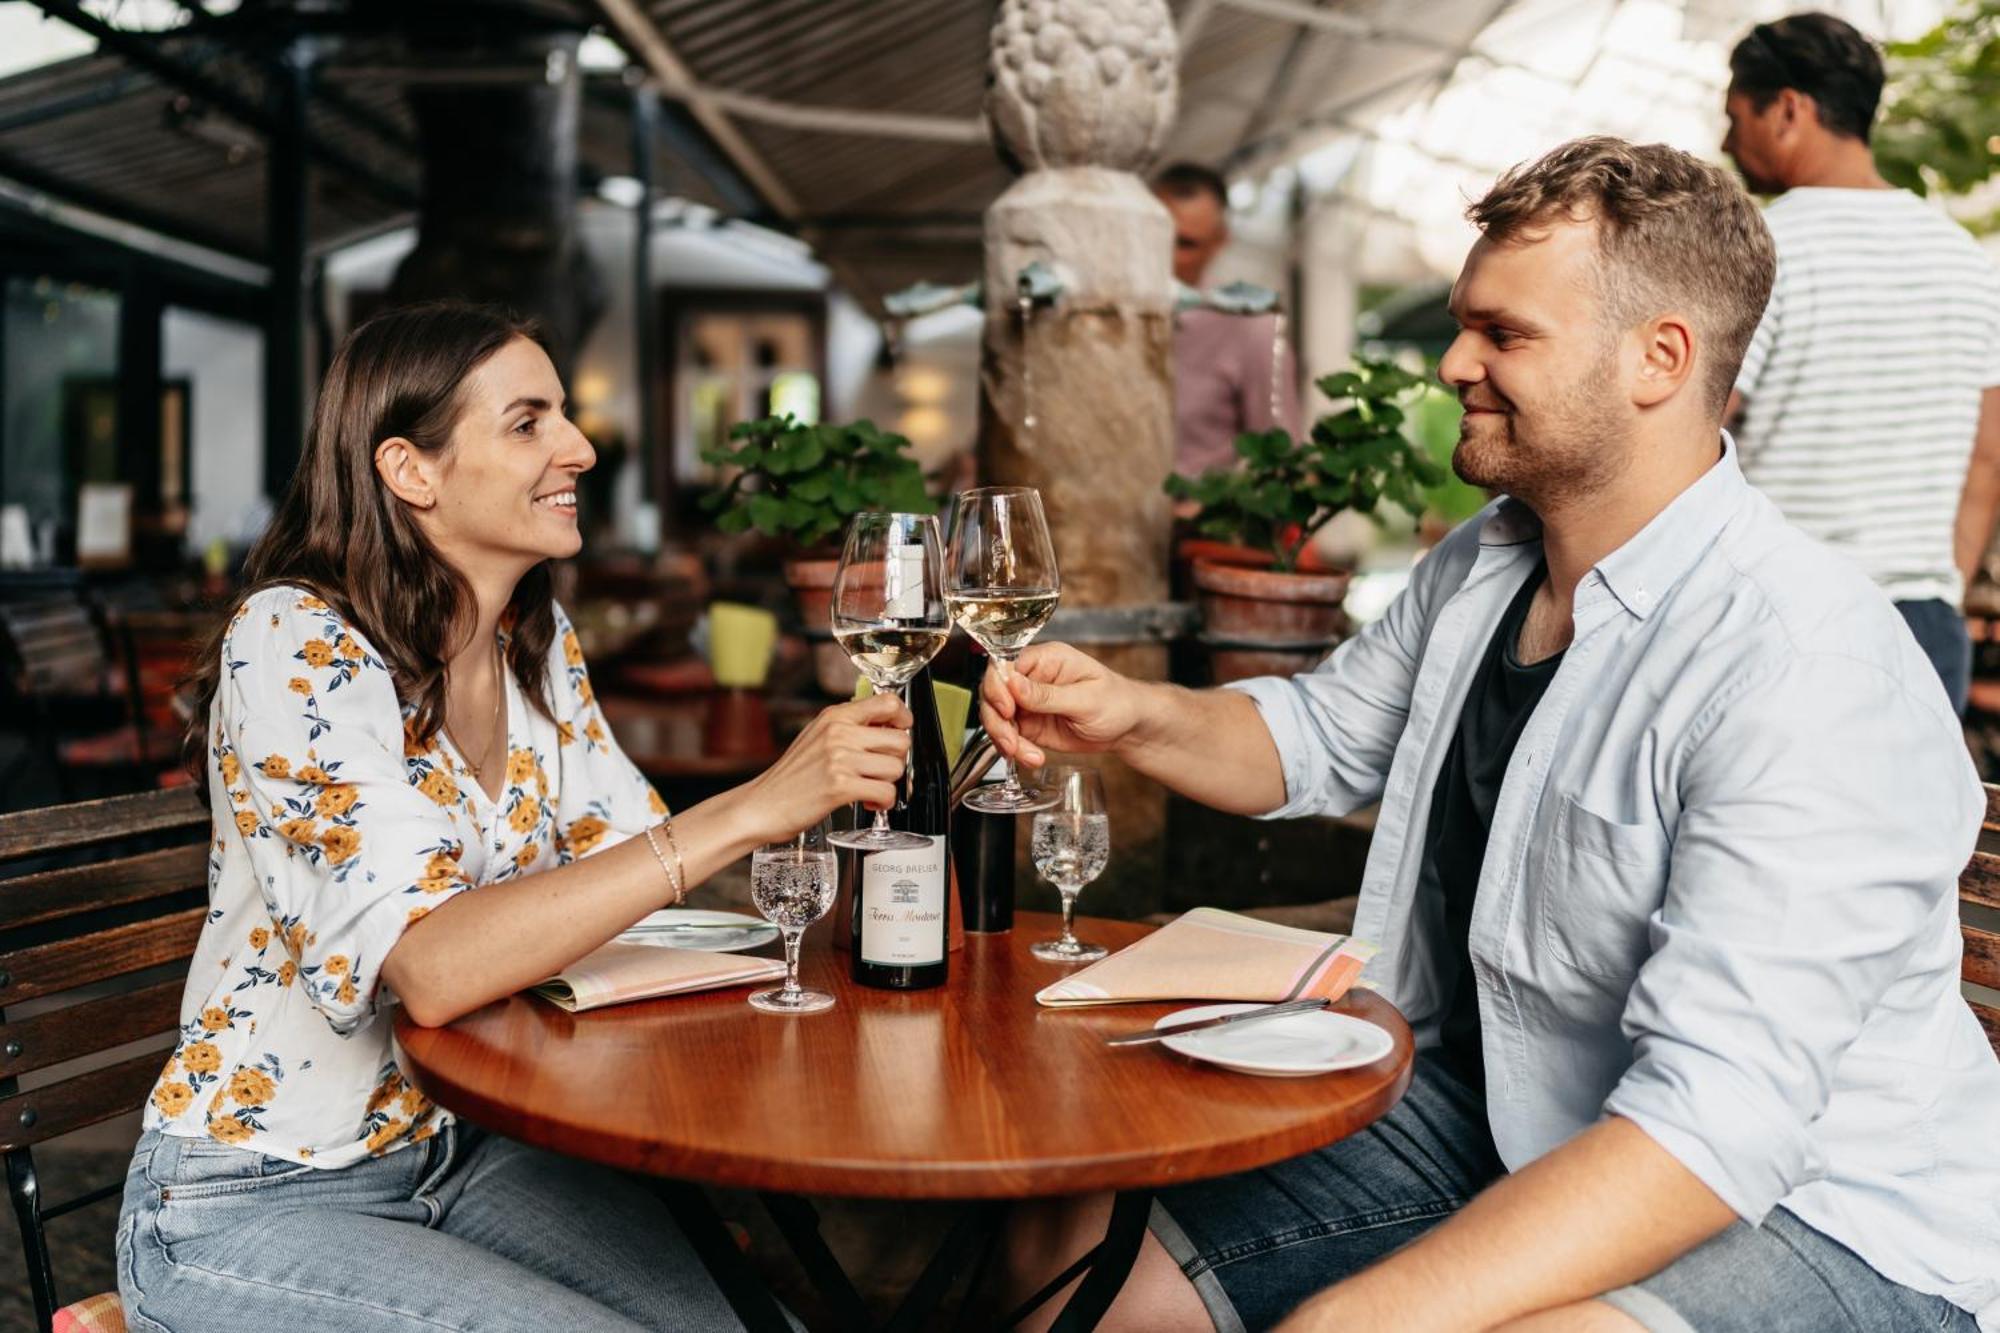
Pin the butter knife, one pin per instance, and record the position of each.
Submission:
(1247, 1016)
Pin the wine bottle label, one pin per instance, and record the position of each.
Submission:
(902, 906)
(905, 593)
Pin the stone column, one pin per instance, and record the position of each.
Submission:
(1081, 93)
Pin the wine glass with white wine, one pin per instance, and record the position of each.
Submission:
(1002, 586)
(889, 617)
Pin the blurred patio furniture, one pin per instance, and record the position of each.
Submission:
(93, 959)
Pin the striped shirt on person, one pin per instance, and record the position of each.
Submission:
(1862, 384)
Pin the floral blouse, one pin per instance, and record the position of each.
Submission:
(334, 831)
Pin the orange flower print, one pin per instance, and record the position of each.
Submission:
(252, 1087)
(412, 747)
(299, 685)
(439, 787)
(426, 1132)
(526, 856)
(287, 971)
(275, 766)
(541, 781)
(336, 800)
(413, 1103)
(584, 692)
(442, 865)
(316, 775)
(524, 816)
(173, 1098)
(346, 648)
(246, 823)
(520, 766)
(201, 1057)
(565, 733)
(295, 938)
(336, 966)
(585, 834)
(231, 770)
(228, 1129)
(260, 937)
(594, 730)
(438, 883)
(346, 994)
(385, 1092)
(340, 842)
(572, 650)
(653, 801)
(419, 913)
(386, 1135)
(311, 603)
(301, 831)
(215, 1019)
(318, 653)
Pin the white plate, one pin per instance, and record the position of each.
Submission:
(717, 932)
(1295, 1046)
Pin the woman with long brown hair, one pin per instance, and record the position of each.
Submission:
(408, 770)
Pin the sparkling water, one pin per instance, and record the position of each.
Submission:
(793, 887)
(1070, 850)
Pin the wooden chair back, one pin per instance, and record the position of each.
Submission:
(54, 648)
(93, 958)
(1979, 917)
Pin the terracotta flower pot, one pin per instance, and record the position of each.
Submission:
(1260, 622)
(811, 581)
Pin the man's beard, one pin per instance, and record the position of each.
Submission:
(1567, 449)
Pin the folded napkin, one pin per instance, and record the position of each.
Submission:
(1209, 954)
(618, 971)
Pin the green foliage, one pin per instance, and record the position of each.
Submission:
(1286, 490)
(804, 482)
(1941, 107)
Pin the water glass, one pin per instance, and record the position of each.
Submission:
(1070, 844)
(792, 884)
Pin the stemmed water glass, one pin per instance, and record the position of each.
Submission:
(889, 617)
(793, 884)
(1002, 586)
(1070, 845)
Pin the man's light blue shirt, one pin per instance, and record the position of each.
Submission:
(1719, 895)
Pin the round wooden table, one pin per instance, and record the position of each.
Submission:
(970, 1091)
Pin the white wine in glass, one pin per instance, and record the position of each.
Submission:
(1002, 586)
(889, 618)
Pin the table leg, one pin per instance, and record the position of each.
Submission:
(746, 1292)
(972, 1234)
(798, 1221)
(1109, 1263)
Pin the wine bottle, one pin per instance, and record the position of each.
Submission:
(902, 911)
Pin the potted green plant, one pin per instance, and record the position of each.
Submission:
(1266, 616)
(799, 484)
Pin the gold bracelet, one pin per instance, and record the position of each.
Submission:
(678, 883)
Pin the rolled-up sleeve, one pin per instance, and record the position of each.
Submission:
(348, 842)
(1825, 816)
(1337, 726)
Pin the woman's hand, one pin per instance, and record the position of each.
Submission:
(1056, 698)
(851, 752)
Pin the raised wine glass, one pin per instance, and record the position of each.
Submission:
(889, 617)
(1002, 586)
(793, 884)
(1070, 845)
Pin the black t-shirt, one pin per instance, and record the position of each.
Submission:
(1502, 697)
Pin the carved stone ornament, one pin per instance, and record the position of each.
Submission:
(1073, 83)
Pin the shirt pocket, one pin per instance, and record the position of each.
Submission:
(1602, 882)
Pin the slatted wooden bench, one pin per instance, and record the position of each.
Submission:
(93, 958)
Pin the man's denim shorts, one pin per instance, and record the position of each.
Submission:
(1257, 1244)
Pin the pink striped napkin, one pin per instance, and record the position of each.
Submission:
(1209, 954)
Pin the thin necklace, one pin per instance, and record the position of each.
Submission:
(499, 705)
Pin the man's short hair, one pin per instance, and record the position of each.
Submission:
(1673, 233)
(1821, 56)
(1187, 180)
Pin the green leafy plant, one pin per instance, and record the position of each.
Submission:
(804, 482)
(1940, 125)
(1286, 490)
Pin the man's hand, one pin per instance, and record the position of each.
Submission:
(1056, 698)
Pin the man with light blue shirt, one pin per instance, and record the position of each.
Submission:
(1671, 818)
